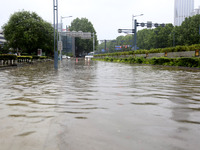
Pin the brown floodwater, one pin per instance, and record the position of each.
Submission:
(99, 106)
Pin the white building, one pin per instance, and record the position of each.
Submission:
(182, 10)
(196, 11)
(2, 39)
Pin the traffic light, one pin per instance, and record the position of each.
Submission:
(119, 30)
(142, 24)
(156, 25)
(149, 24)
(162, 25)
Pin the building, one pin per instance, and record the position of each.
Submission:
(68, 44)
(2, 39)
(182, 10)
(196, 11)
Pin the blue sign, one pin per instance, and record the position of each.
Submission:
(118, 47)
(103, 50)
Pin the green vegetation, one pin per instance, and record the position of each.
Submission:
(26, 32)
(14, 57)
(7, 57)
(4, 49)
(159, 50)
(184, 62)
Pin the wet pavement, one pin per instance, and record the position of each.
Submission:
(99, 106)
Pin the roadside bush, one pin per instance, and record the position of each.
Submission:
(159, 50)
(188, 62)
(35, 57)
(184, 62)
(24, 57)
(139, 60)
(8, 57)
(160, 61)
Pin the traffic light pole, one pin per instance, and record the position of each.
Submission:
(55, 20)
(148, 24)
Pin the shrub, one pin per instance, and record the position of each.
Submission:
(24, 57)
(188, 62)
(8, 57)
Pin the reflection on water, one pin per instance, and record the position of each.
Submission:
(107, 105)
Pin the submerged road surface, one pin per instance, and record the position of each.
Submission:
(99, 106)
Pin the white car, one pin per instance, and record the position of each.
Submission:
(89, 56)
(64, 56)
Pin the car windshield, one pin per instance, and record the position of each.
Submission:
(91, 53)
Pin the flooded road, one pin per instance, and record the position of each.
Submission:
(99, 106)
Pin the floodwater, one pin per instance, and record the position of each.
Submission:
(99, 106)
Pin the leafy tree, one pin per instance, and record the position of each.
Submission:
(189, 31)
(4, 49)
(27, 32)
(144, 38)
(82, 45)
(163, 34)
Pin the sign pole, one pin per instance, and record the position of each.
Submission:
(55, 15)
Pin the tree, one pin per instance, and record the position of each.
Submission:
(4, 49)
(28, 32)
(189, 31)
(144, 39)
(84, 25)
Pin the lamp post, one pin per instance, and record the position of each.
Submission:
(134, 28)
(62, 19)
(93, 42)
(55, 20)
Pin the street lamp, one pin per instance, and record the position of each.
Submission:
(133, 19)
(61, 21)
(55, 20)
(135, 29)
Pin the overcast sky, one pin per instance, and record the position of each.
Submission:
(107, 16)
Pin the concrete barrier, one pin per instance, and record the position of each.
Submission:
(166, 54)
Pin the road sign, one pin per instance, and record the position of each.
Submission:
(149, 24)
(60, 46)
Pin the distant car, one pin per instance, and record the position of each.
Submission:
(64, 56)
(89, 56)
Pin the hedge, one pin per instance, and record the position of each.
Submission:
(8, 57)
(159, 50)
(184, 62)
(24, 57)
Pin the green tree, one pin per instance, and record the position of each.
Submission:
(162, 37)
(4, 49)
(27, 32)
(189, 31)
(82, 45)
(144, 39)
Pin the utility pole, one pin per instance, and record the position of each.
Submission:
(55, 20)
(105, 45)
(93, 42)
(135, 30)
